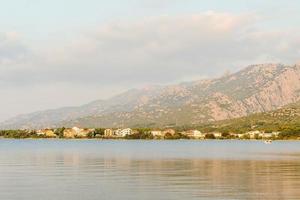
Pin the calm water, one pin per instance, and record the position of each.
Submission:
(137, 170)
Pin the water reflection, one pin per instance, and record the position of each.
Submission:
(73, 173)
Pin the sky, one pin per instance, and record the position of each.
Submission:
(57, 53)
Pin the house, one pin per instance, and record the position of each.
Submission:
(40, 133)
(126, 131)
(77, 132)
(254, 134)
(70, 132)
(117, 132)
(108, 132)
(157, 133)
(122, 132)
(267, 135)
(46, 133)
(194, 134)
(168, 132)
(217, 134)
(83, 133)
(276, 134)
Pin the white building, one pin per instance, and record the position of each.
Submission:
(117, 132)
(267, 135)
(157, 133)
(194, 134)
(276, 134)
(126, 131)
(76, 129)
(217, 135)
(253, 134)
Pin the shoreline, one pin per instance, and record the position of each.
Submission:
(123, 139)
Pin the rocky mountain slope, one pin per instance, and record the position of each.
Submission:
(258, 88)
(286, 119)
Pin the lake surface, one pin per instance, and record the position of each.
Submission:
(137, 170)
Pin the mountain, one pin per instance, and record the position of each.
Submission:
(257, 88)
(286, 119)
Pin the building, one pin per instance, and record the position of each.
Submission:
(76, 132)
(108, 132)
(238, 135)
(194, 134)
(117, 132)
(217, 135)
(46, 133)
(40, 133)
(126, 131)
(83, 133)
(254, 134)
(157, 133)
(122, 132)
(276, 134)
(70, 132)
(169, 132)
(267, 135)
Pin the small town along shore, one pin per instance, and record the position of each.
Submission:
(143, 133)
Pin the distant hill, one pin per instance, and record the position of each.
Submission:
(286, 119)
(255, 89)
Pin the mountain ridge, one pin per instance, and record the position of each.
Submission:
(257, 88)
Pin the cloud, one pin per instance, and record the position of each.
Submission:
(155, 49)
(152, 50)
(12, 50)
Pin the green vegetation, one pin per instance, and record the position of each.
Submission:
(18, 134)
(98, 132)
(285, 120)
(60, 132)
(210, 136)
(289, 135)
(139, 136)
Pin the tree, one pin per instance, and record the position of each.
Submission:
(210, 136)
(60, 132)
(225, 135)
(99, 131)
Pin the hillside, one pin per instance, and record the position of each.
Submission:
(286, 119)
(257, 88)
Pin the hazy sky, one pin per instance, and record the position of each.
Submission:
(55, 53)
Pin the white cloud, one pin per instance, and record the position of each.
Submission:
(159, 49)
(152, 50)
(12, 50)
